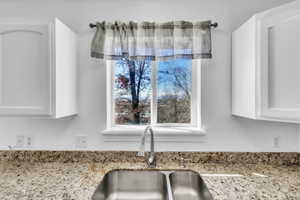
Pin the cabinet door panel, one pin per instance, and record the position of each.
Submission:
(281, 67)
(24, 70)
(284, 65)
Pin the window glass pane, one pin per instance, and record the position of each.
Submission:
(174, 86)
(132, 92)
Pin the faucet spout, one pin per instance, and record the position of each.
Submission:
(151, 160)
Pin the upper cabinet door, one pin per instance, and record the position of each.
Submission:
(279, 64)
(24, 70)
(266, 66)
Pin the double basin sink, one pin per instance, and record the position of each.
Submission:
(152, 185)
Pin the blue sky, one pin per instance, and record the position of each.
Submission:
(165, 77)
(166, 81)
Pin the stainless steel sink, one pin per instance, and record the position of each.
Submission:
(132, 185)
(152, 185)
(188, 185)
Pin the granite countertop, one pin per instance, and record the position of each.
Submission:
(26, 180)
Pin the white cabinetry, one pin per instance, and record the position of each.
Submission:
(266, 66)
(38, 69)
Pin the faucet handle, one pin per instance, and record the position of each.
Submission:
(141, 154)
(151, 161)
(182, 162)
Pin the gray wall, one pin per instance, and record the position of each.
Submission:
(224, 132)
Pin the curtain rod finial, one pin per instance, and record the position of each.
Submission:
(92, 25)
(215, 25)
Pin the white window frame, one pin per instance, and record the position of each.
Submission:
(195, 127)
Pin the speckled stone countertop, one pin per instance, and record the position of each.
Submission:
(52, 176)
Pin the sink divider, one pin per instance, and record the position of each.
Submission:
(167, 175)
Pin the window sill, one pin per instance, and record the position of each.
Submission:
(161, 134)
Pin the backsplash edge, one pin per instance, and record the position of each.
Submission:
(164, 157)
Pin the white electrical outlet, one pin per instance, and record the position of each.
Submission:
(276, 142)
(20, 141)
(81, 142)
(28, 141)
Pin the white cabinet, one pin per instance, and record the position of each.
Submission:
(266, 66)
(38, 69)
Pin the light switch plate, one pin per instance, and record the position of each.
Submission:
(23, 141)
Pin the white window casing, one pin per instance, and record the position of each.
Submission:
(167, 132)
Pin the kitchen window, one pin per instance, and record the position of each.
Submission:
(165, 93)
(158, 93)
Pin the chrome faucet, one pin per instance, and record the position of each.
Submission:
(151, 160)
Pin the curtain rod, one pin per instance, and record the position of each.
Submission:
(214, 25)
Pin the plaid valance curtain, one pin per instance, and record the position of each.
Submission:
(149, 40)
